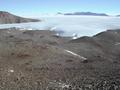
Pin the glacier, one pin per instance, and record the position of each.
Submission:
(70, 25)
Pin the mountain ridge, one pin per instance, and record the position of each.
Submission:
(85, 13)
(8, 18)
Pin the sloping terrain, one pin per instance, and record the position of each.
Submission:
(32, 59)
(104, 44)
(6, 18)
(103, 55)
(40, 60)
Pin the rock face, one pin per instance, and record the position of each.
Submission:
(6, 18)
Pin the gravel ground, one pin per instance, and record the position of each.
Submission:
(40, 60)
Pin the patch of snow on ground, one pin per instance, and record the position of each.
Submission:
(118, 43)
(75, 54)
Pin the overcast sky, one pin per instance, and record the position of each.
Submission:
(36, 7)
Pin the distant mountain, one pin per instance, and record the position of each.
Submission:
(6, 17)
(87, 13)
(118, 15)
(59, 13)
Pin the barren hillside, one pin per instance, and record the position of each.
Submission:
(40, 60)
(6, 17)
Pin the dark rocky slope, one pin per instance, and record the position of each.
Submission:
(103, 56)
(37, 60)
(6, 18)
(105, 44)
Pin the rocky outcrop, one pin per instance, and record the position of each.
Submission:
(8, 18)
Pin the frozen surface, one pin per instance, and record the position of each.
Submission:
(80, 25)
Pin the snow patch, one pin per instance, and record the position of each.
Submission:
(11, 70)
(75, 54)
(118, 43)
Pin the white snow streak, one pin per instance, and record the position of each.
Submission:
(75, 54)
(118, 43)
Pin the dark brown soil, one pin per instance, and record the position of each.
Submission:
(37, 60)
